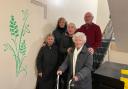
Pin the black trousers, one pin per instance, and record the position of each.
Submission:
(45, 83)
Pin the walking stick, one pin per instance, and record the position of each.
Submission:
(58, 79)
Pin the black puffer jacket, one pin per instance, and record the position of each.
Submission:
(66, 43)
(58, 33)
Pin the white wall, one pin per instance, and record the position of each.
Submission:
(72, 10)
(120, 27)
(119, 14)
(8, 79)
(103, 14)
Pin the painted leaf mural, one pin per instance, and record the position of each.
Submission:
(18, 47)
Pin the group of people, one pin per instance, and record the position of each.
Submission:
(68, 52)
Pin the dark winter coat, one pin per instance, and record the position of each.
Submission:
(83, 68)
(47, 60)
(58, 33)
(66, 43)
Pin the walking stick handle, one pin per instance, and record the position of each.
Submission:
(69, 83)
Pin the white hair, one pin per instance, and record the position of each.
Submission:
(80, 35)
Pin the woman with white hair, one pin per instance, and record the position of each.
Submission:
(79, 61)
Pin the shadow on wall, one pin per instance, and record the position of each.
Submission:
(32, 55)
(35, 47)
(48, 28)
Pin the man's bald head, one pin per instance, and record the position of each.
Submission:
(88, 17)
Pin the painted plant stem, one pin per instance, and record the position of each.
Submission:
(19, 47)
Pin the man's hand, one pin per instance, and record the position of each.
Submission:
(91, 51)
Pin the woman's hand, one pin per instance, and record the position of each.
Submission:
(40, 74)
(69, 50)
(75, 78)
(59, 72)
(44, 44)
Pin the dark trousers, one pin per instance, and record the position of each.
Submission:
(45, 83)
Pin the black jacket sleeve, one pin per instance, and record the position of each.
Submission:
(63, 49)
(39, 60)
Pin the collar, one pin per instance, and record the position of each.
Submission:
(83, 50)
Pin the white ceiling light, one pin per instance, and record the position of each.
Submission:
(58, 2)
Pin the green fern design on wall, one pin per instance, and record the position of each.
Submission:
(18, 47)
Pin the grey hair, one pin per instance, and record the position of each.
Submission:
(89, 14)
(80, 35)
(72, 24)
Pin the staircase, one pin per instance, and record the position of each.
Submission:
(101, 51)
